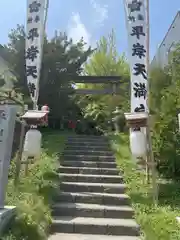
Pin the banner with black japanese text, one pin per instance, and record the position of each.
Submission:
(135, 15)
(36, 12)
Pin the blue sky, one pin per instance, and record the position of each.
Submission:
(91, 19)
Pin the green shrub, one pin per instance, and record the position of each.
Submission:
(165, 106)
(34, 193)
(156, 222)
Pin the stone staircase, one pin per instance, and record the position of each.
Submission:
(92, 202)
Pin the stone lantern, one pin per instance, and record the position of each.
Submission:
(118, 120)
(32, 143)
(138, 143)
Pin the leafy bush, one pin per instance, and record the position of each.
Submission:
(165, 106)
(34, 193)
(105, 61)
(156, 222)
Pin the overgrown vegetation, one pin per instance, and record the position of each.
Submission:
(105, 61)
(157, 223)
(165, 106)
(62, 59)
(34, 192)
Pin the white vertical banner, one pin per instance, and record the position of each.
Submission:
(36, 14)
(135, 15)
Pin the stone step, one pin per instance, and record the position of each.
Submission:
(91, 164)
(86, 137)
(88, 152)
(87, 140)
(88, 143)
(92, 210)
(86, 170)
(81, 147)
(107, 226)
(66, 236)
(83, 157)
(93, 187)
(71, 177)
(85, 144)
(93, 197)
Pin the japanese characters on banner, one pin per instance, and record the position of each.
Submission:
(36, 11)
(136, 27)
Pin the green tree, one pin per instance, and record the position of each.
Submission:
(9, 94)
(62, 59)
(14, 53)
(165, 104)
(105, 61)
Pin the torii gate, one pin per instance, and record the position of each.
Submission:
(113, 83)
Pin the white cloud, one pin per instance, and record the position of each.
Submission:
(101, 11)
(77, 29)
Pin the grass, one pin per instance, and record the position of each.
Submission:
(157, 222)
(34, 192)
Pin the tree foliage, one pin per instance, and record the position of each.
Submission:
(105, 61)
(8, 93)
(165, 106)
(14, 53)
(62, 59)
